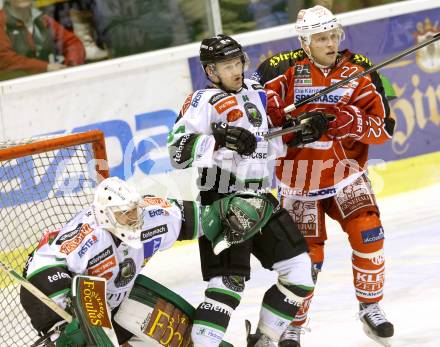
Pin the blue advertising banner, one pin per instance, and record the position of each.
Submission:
(416, 78)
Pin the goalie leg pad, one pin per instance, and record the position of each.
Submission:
(279, 240)
(212, 316)
(156, 315)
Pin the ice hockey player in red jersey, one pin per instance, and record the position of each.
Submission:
(329, 176)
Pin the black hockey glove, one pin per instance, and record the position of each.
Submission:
(312, 126)
(237, 139)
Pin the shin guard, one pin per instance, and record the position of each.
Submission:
(366, 237)
(212, 316)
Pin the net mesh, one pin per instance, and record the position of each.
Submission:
(39, 193)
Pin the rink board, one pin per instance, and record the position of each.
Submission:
(136, 99)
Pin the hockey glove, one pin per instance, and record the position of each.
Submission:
(312, 125)
(236, 218)
(275, 108)
(236, 139)
(350, 121)
(71, 335)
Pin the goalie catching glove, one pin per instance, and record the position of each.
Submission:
(236, 218)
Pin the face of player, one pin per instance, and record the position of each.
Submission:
(128, 218)
(324, 47)
(229, 73)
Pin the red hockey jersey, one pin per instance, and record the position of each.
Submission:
(317, 170)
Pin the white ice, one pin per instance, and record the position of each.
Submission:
(412, 288)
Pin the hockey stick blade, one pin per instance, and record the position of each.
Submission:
(36, 292)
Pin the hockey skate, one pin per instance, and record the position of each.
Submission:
(258, 339)
(376, 326)
(291, 336)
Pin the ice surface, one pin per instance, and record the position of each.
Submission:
(412, 289)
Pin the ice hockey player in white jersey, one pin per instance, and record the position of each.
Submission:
(217, 128)
(113, 238)
(219, 131)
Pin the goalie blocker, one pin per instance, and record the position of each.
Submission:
(157, 315)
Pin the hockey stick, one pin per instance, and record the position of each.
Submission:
(86, 308)
(36, 292)
(343, 82)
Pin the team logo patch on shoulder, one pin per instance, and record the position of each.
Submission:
(257, 86)
(234, 115)
(68, 246)
(186, 105)
(253, 114)
(69, 235)
(217, 97)
(225, 104)
(156, 201)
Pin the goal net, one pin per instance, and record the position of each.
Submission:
(44, 182)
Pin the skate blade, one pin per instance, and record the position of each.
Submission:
(383, 341)
(248, 327)
(248, 332)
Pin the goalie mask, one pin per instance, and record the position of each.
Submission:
(117, 208)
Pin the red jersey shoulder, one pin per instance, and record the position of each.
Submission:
(360, 59)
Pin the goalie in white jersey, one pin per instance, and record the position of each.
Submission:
(113, 238)
(217, 131)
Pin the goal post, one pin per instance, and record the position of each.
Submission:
(44, 182)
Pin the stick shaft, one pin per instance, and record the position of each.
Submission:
(362, 73)
(281, 132)
(36, 292)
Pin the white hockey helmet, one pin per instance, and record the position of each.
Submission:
(316, 20)
(117, 208)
